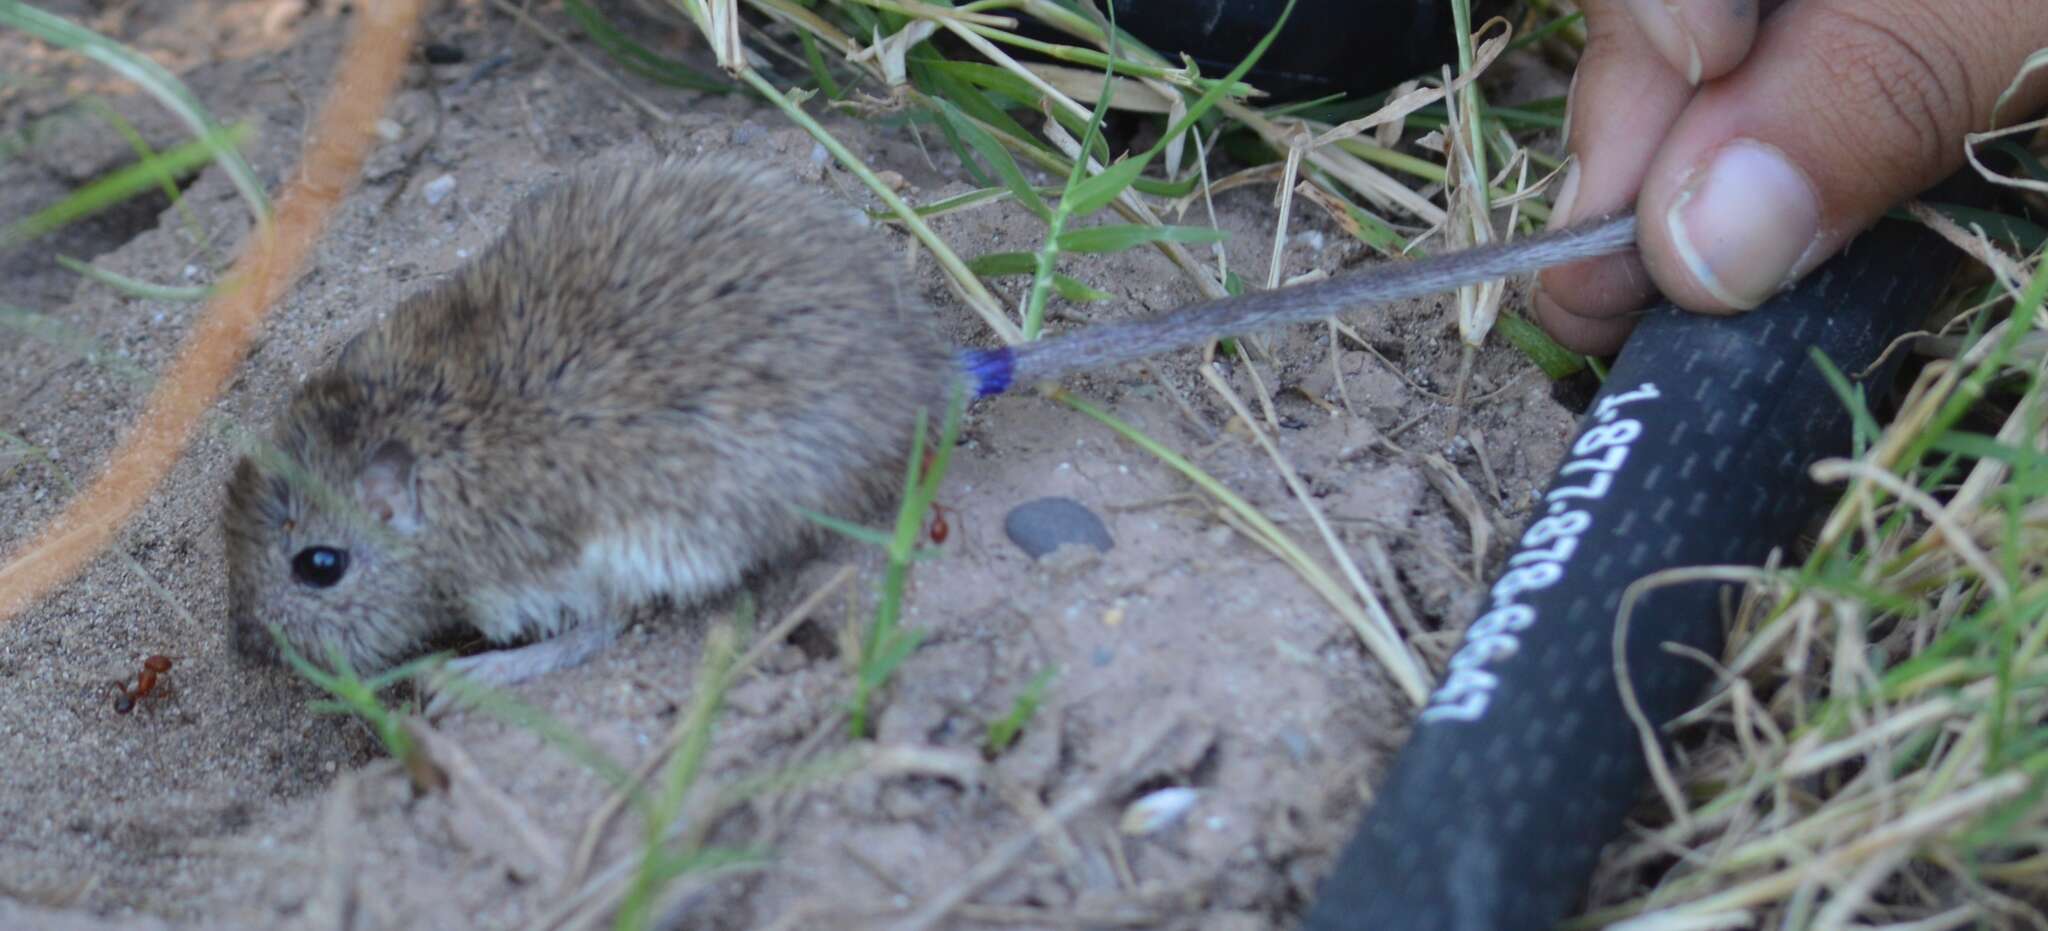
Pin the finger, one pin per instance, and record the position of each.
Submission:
(1624, 98)
(1844, 108)
(1593, 336)
(1700, 39)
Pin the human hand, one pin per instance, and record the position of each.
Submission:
(1753, 151)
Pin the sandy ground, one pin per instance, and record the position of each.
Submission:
(223, 803)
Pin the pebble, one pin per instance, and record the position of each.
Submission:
(438, 190)
(1157, 811)
(1042, 526)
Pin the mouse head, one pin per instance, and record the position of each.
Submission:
(322, 532)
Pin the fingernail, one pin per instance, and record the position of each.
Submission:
(1567, 197)
(1742, 222)
(1660, 22)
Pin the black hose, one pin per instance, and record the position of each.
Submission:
(1693, 453)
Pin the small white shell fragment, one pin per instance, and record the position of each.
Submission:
(438, 190)
(1157, 811)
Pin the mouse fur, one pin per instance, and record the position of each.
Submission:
(626, 396)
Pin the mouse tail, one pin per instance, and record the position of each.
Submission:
(987, 372)
(994, 371)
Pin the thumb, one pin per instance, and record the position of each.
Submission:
(1843, 109)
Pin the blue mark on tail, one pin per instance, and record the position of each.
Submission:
(990, 370)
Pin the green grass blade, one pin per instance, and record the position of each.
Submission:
(1075, 291)
(144, 151)
(998, 158)
(846, 528)
(1001, 264)
(998, 264)
(927, 73)
(1217, 92)
(1864, 428)
(1979, 446)
(991, 79)
(1121, 236)
(1556, 361)
(119, 186)
(1004, 731)
(1095, 192)
(638, 58)
(133, 287)
(816, 59)
(1005, 85)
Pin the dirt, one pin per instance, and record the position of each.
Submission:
(221, 801)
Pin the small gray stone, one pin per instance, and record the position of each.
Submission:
(438, 190)
(1042, 526)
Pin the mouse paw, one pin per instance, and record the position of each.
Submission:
(501, 668)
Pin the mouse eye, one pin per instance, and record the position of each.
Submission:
(320, 566)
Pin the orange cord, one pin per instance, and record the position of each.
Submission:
(364, 80)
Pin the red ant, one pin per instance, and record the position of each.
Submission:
(940, 529)
(125, 697)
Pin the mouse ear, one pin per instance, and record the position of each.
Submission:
(389, 490)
